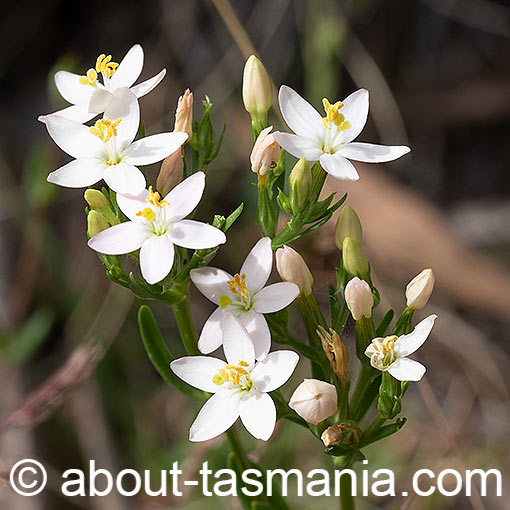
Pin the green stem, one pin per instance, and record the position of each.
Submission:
(363, 384)
(241, 458)
(346, 497)
(373, 427)
(186, 326)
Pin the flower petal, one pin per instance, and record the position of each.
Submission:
(198, 371)
(372, 153)
(129, 68)
(146, 86)
(185, 196)
(258, 264)
(256, 325)
(124, 105)
(130, 205)
(156, 258)
(407, 344)
(339, 167)
(119, 239)
(211, 282)
(70, 88)
(274, 371)
(77, 112)
(211, 336)
(195, 235)
(258, 414)
(79, 173)
(405, 369)
(275, 297)
(73, 138)
(237, 343)
(299, 146)
(355, 111)
(99, 101)
(125, 179)
(217, 415)
(300, 115)
(154, 148)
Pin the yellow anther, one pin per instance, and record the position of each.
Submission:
(242, 363)
(218, 380)
(147, 213)
(334, 116)
(105, 65)
(90, 78)
(389, 343)
(232, 374)
(225, 301)
(154, 198)
(238, 285)
(105, 128)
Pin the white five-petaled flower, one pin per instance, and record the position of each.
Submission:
(240, 386)
(106, 150)
(390, 353)
(245, 296)
(89, 97)
(156, 225)
(329, 139)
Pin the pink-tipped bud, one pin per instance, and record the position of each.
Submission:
(265, 153)
(292, 268)
(170, 173)
(314, 400)
(184, 114)
(419, 289)
(359, 298)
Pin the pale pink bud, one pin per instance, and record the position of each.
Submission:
(359, 298)
(265, 153)
(184, 114)
(314, 400)
(257, 92)
(419, 289)
(170, 173)
(292, 268)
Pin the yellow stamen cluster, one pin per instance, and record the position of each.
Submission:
(154, 198)
(147, 213)
(231, 373)
(333, 115)
(104, 65)
(389, 343)
(105, 128)
(238, 285)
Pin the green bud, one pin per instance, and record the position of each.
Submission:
(355, 262)
(300, 180)
(96, 199)
(347, 225)
(96, 223)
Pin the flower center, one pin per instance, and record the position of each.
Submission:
(154, 198)
(333, 116)
(239, 291)
(104, 128)
(104, 65)
(159, 224)
(237, 375)
(382, 353)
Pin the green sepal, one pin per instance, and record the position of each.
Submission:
(284, 202)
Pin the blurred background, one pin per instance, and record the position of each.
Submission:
(439, 78)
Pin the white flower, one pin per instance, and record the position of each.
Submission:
(106, 150)
(240, 386)
(156, 225)
(390, 353)
(89, 96)
(314, 400)
(245, 296)
(329, 139)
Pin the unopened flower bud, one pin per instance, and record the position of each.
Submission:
(265, 153)
(314, 400)
(170, 173)
(359, 298)
(184, 114)
(96, 199)
(347, 225)
(300, 180)
(355, 262)
(257, 92)
(292, 268)
(336, 352)
(419, 289)
(96, 223)
(346, 432)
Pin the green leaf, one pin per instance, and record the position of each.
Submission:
(233, 217)
(159, 354)
(334, 308)
(284, 202)
(383, 326)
